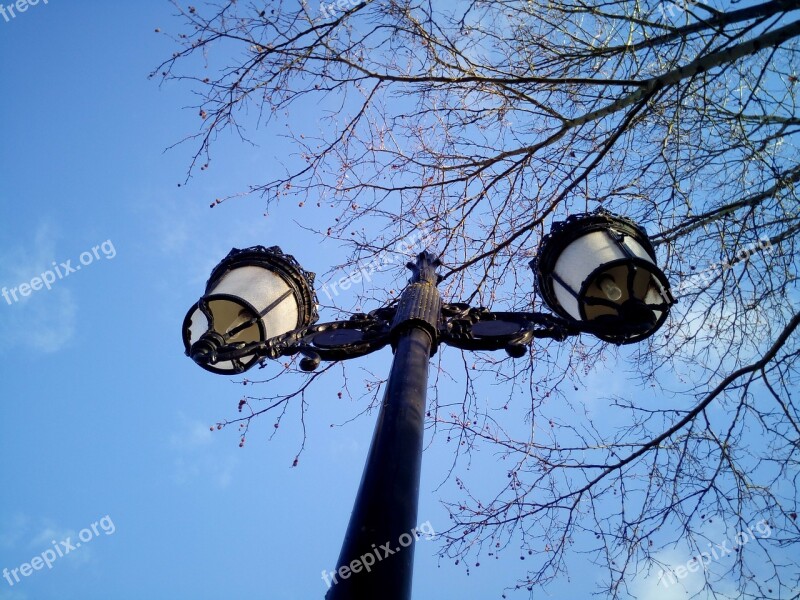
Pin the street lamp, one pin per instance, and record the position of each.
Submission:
(252, 295)
(600, 268)
(595, 271)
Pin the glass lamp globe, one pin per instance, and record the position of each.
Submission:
(599, 269)
(253, 295)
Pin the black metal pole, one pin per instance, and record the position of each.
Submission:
(377, 557)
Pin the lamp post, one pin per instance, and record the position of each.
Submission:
(596, 271)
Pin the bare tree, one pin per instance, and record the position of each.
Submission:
(481, 122)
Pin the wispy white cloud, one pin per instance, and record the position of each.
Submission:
(347, 448)
(45, 320)
(195, 456)
(657, 585)
(13, 530)
(12, 595)
(25, 537)
(192, 434)
(42, 326)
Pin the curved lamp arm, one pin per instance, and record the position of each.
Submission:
(338, 340)
(461, 326)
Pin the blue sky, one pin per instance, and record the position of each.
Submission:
(102, 415)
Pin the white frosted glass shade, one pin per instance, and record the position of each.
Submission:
(257, 290)
(584, 263)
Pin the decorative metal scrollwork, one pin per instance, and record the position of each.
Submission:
(462, 326)
(337, 340)
(472, 328)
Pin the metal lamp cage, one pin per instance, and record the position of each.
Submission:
(600, 269)
(252, 295)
